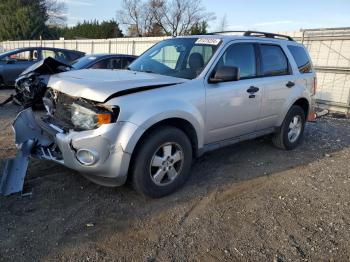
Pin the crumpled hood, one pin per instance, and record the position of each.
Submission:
(98, 85)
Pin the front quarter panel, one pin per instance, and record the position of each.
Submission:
(147, 108)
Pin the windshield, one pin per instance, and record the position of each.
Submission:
(178, 57)
(82, 62)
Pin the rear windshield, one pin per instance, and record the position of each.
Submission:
(301, 58)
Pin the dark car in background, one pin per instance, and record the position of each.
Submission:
(103, 61)
(14, 62)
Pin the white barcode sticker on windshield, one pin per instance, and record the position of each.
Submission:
(208, 41)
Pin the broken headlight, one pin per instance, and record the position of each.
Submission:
(84, 118)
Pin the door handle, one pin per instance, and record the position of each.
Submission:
(252, 89)
(290, 84)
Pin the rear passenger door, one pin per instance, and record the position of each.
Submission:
(276, 82)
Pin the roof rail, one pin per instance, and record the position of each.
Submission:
(268, 35)
(255, 34)
(224, 32)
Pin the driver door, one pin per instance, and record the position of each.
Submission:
(232, 108)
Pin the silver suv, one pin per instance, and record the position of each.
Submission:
(181, 98)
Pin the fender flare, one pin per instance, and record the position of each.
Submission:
(155, 119)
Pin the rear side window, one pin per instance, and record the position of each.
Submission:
(273, 61)
(301, 59)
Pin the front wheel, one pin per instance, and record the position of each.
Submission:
(162, 163)
(291, 132)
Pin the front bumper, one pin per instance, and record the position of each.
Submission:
(108, 143)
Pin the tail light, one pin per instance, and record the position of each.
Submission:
(314, 87)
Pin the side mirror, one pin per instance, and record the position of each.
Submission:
(225, 74)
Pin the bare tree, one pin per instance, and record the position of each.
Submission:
(136, 16)
(173, 17)
(177, 17)
(56, 11)
(223, 24)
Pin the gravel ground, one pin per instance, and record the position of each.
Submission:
(247, 202)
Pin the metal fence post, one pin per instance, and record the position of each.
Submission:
(92, 47)
(109, 46)
(133, 47)
(302, 39)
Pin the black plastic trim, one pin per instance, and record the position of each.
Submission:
(136, 90)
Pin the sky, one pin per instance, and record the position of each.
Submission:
(263, 15)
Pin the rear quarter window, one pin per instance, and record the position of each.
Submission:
(301, 59)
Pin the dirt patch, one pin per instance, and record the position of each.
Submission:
(249, 201)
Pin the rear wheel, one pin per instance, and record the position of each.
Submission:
(162, 163)
(291, 132)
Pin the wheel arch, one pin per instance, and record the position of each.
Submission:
(180, 123)
(177, 122)
(301, 101)
(304, 104)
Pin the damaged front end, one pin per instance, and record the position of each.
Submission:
(80, 134)
(31, 85)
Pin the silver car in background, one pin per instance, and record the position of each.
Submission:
(181, 98)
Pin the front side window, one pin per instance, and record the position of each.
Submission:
(241, 56)
(109, 63)
(273, 61)
(115, 63)
(127, 61)
(103, 64)
(301, 58)
(178, 57)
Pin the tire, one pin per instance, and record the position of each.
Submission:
(290, 133)
(156, 159)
